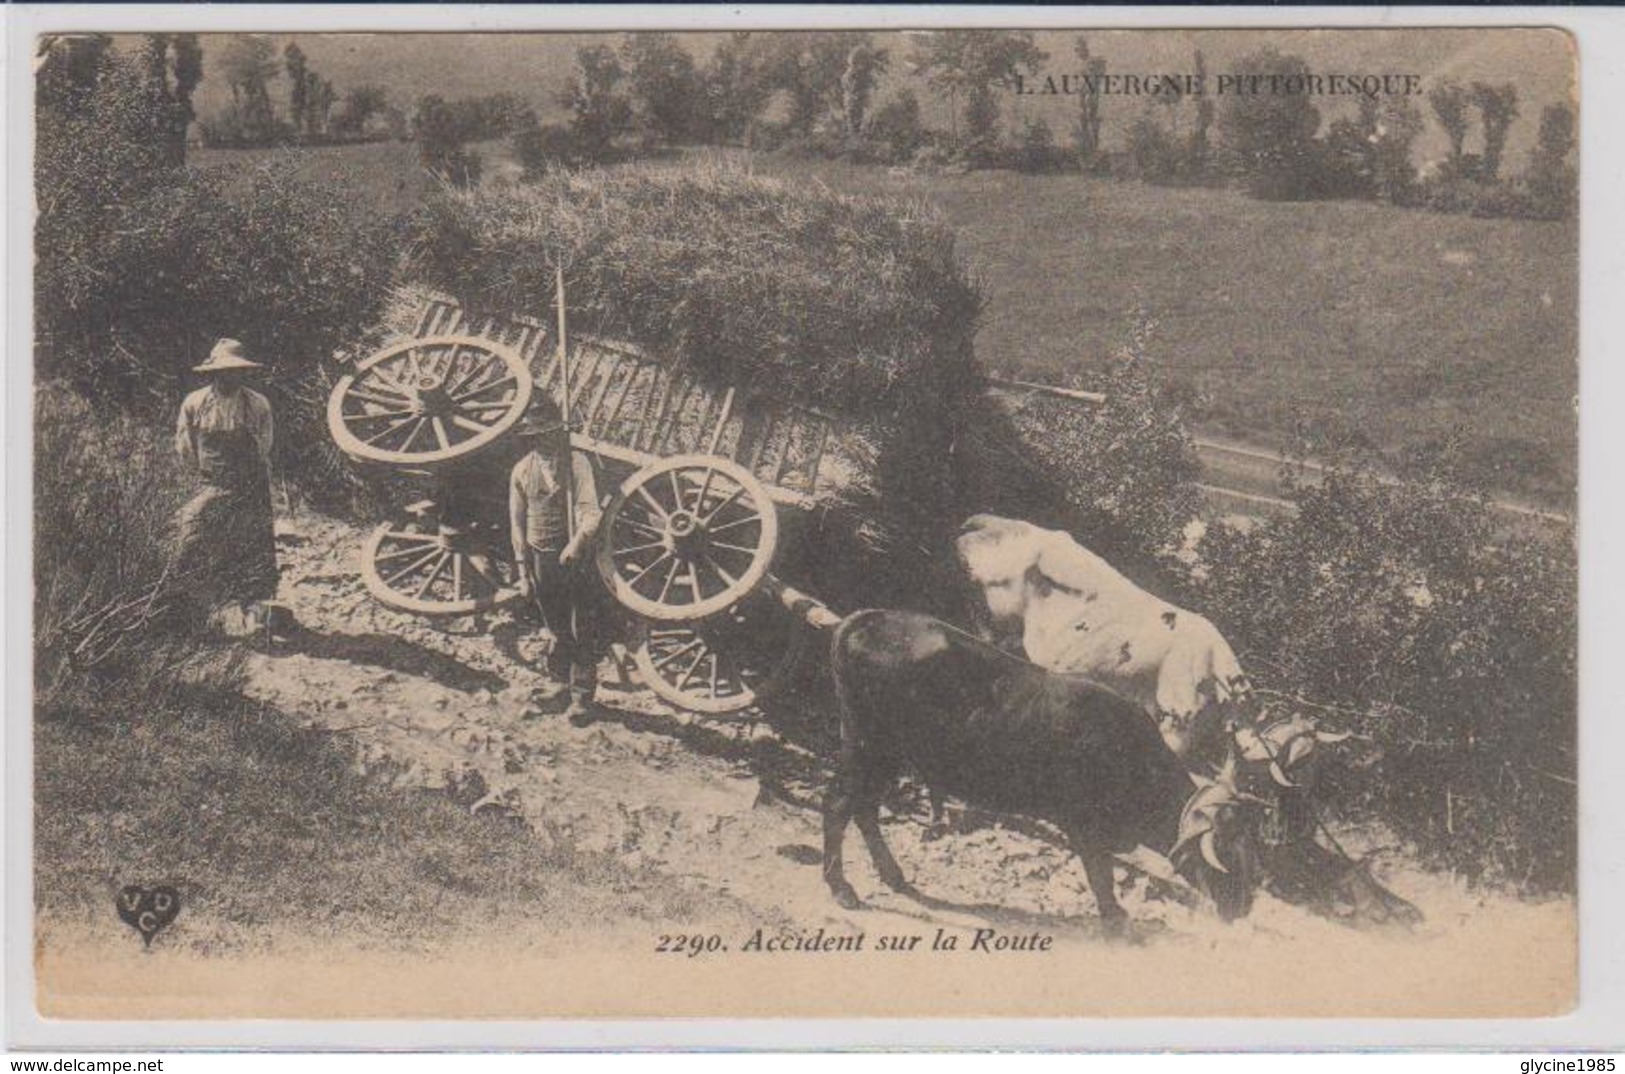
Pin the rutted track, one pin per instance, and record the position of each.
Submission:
(439, 709)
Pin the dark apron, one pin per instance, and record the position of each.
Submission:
(226, 545)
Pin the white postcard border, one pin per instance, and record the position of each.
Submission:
(1599, 1020)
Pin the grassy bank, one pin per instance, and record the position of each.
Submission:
(267, 829)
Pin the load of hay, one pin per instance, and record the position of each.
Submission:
(858, 306)
(842, 302)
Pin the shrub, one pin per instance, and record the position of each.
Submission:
(102, 144)
(897, 125)
(546, 148)
(1502, 198)
(1453, 193)
(443, 130)
(1505, 199)
(1397, 611)
(286, 267)
(1037, 153)
(232, 127)
(1124, 470)
(106, 490)
(1157, 154)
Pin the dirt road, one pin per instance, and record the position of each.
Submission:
(730, 807)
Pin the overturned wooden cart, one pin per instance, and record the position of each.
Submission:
(688, 542)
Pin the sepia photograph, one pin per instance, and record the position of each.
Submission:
(819, 523)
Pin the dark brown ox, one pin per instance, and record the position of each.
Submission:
(970, 720)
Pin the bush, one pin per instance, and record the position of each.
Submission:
(897, 125)
(1124, 470)
(102, 145)
(286, 267)
(1453, 193)
(1158, 156)
(545, 149)
(231, 128)
(1445, 193)
(444, 129)
(836, 144)
(106, 490)
(1036, 153)
(1505, 199)
(1397, 611)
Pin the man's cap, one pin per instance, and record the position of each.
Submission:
(227, 355)
(541, 419)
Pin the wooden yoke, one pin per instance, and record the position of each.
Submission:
(816, 613)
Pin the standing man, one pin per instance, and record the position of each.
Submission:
(225, 554)
(545, 483)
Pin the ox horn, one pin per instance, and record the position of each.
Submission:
(1333, 737)
(1279, 775)
(1210, 853)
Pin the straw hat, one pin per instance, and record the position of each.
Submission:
(227, 355)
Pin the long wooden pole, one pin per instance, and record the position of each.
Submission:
(564, 408)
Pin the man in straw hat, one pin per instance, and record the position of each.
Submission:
(225, 559)
(554, 572)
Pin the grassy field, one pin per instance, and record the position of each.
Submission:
(384, 174)
(1406, 331)
(1403, 329)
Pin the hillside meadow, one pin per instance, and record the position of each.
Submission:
(1402, 330)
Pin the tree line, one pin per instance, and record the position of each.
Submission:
(312, 111)
(819, 94)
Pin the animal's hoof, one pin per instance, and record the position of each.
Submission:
(1115, 926)
(901, 886)
(934, 832)
(847, 898)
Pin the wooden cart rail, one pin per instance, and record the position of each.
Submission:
(628, 406)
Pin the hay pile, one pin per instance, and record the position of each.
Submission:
(860, 307)
(836, 301)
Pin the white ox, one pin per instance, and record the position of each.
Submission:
(1078, 614)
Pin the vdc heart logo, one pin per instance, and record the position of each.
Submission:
(148, 910)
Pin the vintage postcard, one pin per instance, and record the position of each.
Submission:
(833, 523)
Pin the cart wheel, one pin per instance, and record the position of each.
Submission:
(724, 664)
(423, 402)
(433, 570)
(687, 537)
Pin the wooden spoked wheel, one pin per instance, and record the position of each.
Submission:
(726, 663)
(686, 538)
(429, 401)
(434, 570)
